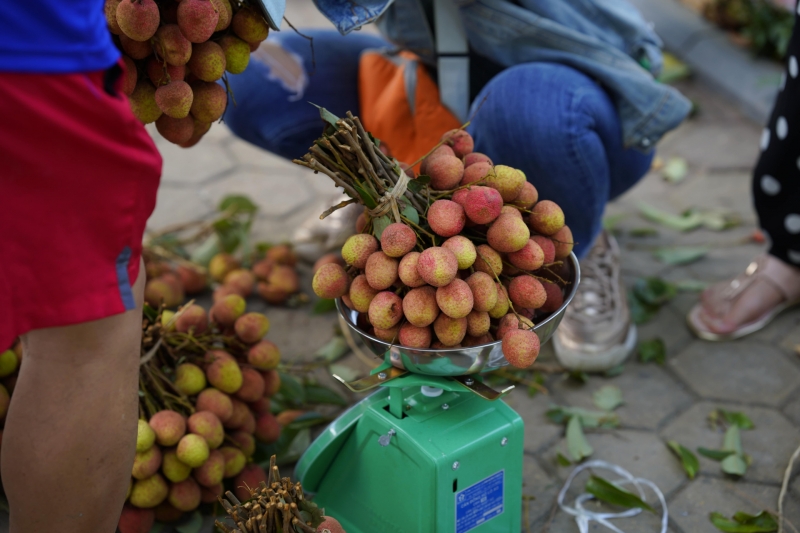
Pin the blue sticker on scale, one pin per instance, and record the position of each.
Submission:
(479, 503)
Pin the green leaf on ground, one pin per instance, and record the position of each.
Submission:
(615, 370)
(192, 524)
(734, 464)
(763, 522)
(690, 463)
(334, 349)
(675, 169)
(641, 313)
(680, 255)
(610, 222)
(577, 445)
(324, 305)
(379, 224)
(737, 418)
(587, 417)
(608, 492)
(344, 372)
(237, 203)
(411, 214)
(684, 222)
(673, 69)
(715, 455)
(580, 377)
(652, 350)
(206, 250)
(643, 232)
(608, 397)
(562, 460)
(720, 220)
(691, 285)
(654, 291)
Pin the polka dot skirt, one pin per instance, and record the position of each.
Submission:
(776, 179)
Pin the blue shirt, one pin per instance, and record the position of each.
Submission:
(54, 36)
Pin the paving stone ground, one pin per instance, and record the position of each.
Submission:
(759, 375)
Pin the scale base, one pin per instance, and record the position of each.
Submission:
(450, 463)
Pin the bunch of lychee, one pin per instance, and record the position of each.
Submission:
(9, 370)
(482, 265)
(175, 51)
(185, 453)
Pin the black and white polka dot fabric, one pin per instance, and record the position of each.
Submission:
(776, 178)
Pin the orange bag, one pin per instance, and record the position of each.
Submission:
(400, 104)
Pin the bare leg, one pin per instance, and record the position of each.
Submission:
(70, 436)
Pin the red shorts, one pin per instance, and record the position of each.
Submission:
(78, 180)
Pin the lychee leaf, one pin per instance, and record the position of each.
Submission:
(737, 418)
(324, 305)
(577, 445)
(680, 255)
(411, 214)
(652, 350)
(311, 508)
(365, 197)
(291, 389)
(608, 397)
(690, 463)
(237, 203)
(316, 394)
(326, 115)
(379, 224)
(418, 183)
(606, 491)
(715, 455)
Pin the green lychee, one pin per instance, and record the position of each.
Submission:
(249, 25)
(464, 250)
(508, 234)
(450, 331)
(251, 327)
(143, 102)
(264, 356)
(455, 299)
(9, 362)
(407, 270)
(207, 425)
(192, 450)
(145, 436)
(546, 217)
(172, 467)
(150, 492)
(207, 61)
(212, 471)
(146, 463)
(237, 53)
(225, 375)
(234, 460)
(361, 293)
(189, 379)
(226, 311)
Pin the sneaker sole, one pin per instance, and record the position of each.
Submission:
(576, 360)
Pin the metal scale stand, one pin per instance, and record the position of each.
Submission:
(432, 450)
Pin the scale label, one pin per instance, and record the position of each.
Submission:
(479, 503)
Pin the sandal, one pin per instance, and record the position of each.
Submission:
(717, 302)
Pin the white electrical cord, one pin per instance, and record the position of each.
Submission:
(583, 516)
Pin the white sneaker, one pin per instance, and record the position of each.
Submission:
(597, 333)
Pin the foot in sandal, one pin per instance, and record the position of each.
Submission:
(746, 304)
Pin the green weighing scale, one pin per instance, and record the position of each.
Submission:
(433, 449)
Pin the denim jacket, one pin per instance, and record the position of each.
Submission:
(605, 39)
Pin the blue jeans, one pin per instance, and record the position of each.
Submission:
(549, 120)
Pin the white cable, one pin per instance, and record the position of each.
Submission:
(583, 516)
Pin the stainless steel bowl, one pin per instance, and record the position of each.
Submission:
(459, 361)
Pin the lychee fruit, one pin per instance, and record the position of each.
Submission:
(438, 152)
(563, 242)
(246, 442)
(420, 307)
(239, 417)
(527, 291)
(249, 25)
(470, 341)
(161, 73)
(185, 495)
(225, 375)
(110, 11)
(263, 268)
(145, 436)
(437, 266)
(138, 19)
(398, 239)
(546, 217)
(211, 494)
(189, 379)
(237, 53)
(508, 181)
(330, 281)
(484, 290)
(135, 49)
(208, 425)
(547, 246)
(511, 210)
(446, 218)
(210, 473)
(215, 401)
(251, 327)
(331, 525)
(455, 299)
(252, 386)
(282, 254)
(445, 171)
(502, 306)
(148, 493)
(130, 77)
(361, 293)
(325, 259)
(192, 318)
(521, 347)
(460, 141)
(555, 298)
(387, 335)
(197, 19)
(361, 222)
(146, 463)
(407, 272)
(511, 322)
(381, 271)
(200, 129)
(527, 196)
(166, 513)
(284, 278)
(476, 174)
(476, 157)
(415, 337)
(249, 425)
(272, 383)
(9, 362)
(172, 46)
(226, 311)
(488, 260)
(508, 234)
(357, 249)
(249, 478)
(174, 100)
(478, 323)
(210, 99)
(385, 310)
(234, 460)
(225, 15)
(530, 257)
(192, 450)
(143, 102)
(168, 427)
(242, 280)
(483, 204)
(221, 265)
(264, 356)
(172, 467)
(450, 331)
(135, 520)
(463, 249)
(207, 61)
